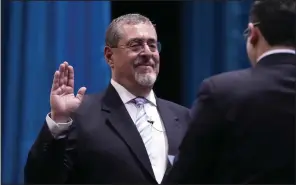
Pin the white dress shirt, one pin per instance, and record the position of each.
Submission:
(158, 131)
(274, 51)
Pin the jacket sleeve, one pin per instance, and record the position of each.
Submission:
(51, 160)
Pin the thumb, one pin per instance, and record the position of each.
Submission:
(81, 93)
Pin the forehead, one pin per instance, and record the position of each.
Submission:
(143, 31)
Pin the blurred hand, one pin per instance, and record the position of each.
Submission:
(62, 98)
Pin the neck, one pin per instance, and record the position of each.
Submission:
(138, 90)
(134, 88)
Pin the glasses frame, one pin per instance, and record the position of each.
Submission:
(158, 45)
(246, 32)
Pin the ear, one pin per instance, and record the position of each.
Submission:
(254, 34)
(108, 53)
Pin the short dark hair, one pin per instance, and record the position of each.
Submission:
(276, 21)
(113, 34)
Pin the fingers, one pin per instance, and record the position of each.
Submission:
(63, 69)
(62, 74)
(63, 79)
(56, 81)
(81, 93)
(66, 74)
(71, 76)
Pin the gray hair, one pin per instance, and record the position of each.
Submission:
(113, 34)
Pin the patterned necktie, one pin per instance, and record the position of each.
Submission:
(143, 126)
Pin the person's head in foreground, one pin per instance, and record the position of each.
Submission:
(271, 26)
(132, 52)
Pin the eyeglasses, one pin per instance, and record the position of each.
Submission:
(246, 33)
(140, 46)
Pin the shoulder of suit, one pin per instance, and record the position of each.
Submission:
(90, 98)
(228, 84)
(228, 79)
(230, 76)
(172, 104)
(88, 101)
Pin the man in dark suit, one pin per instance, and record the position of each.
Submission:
(124, 135)
(243, 124)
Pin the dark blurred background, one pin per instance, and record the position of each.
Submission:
(199, 39)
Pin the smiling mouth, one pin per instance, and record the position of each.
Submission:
(144, 66)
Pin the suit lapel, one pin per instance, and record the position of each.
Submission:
(122, 123)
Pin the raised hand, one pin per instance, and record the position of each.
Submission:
(62, 98)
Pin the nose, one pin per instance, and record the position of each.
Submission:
(146, 50)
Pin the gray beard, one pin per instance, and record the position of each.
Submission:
(145, 79)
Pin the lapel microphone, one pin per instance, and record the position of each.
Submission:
(149, 120)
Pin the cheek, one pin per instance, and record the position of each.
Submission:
(157, 57)
(249, 47)
(250, 52)
(157, 60)
(127, 65)
(122, 61)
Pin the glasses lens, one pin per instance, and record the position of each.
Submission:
(158, 46)
(246, 33)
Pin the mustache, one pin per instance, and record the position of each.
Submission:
(139, 62)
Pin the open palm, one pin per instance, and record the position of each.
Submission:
(62, 98)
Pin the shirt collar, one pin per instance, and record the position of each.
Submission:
(126, 96)
(274, 51)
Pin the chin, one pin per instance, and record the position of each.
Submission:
(146, 79)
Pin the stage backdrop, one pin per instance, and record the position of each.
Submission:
(212, 41)
(38, 37)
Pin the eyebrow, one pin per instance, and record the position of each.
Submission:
(141, 40)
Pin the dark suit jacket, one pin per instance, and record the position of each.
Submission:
(243, 127)
(103, 145)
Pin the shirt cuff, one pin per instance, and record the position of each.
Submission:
(58, 129)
